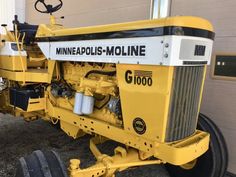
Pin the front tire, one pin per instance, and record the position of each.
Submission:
(214, 162)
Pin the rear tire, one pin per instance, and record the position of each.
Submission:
(214, 162)
(41, 164)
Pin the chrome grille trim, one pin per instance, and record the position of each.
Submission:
(185, 97)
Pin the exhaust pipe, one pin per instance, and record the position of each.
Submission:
(160, 9)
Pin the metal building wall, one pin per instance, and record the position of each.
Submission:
(93, 12)
(20, 9)
(7, 11)
(9, 8)
(219, 99)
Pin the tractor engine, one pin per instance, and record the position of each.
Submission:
(92, 88)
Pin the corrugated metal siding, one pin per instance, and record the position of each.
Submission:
(183, 113)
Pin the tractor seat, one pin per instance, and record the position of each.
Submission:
(29, 31)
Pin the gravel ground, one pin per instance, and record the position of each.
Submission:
(19, 138)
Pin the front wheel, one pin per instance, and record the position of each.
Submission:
(213, 163)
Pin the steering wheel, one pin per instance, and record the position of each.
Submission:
(49, 8)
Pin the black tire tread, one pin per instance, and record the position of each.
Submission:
(22, 168)
(222, 144)
(41, 164)
(216, 157)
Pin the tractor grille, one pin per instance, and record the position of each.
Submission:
(185, 97)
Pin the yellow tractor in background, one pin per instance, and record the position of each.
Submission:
(137, 83)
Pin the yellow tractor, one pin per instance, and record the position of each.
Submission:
(138, 83)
